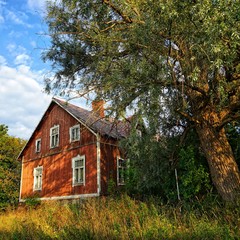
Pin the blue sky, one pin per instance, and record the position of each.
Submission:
(22, 101)
(22, 39)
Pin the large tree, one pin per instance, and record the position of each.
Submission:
(156, 55)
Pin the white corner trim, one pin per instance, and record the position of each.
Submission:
(20, 191)
(66, 197)
(98, 165)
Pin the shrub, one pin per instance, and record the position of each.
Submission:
(32, 202)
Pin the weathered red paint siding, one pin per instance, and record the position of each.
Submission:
(57, 162)
(109, 154)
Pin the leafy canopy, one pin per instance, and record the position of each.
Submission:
(132, 52)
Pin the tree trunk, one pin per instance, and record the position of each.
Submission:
(223, 167)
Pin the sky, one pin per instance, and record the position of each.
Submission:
(22, 40)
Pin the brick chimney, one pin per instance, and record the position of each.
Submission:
(98, 107)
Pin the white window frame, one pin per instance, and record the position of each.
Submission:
(74, 137)
(38, 145)
(37, 178)
(120, 169)
(54, 139)
(139, 132)
(74, 168)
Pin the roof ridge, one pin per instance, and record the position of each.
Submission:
(113, 128)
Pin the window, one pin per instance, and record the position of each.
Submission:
(139, 133)
(74, 133)
(38, 145)
(37, 173)
(78, 166)
(121, 170)
(54, 136)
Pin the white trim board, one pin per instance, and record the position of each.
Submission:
(66, 197)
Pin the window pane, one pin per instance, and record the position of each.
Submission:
(75, 133)
(121, 163)
(38, 145)
(54, 131)
(76, 175)
(121, 176)
(78, 170)
(56, 140)
(38, 171)
(81, 175)
(37, 178)
(53, 142)
(121, 170)
(79, 163)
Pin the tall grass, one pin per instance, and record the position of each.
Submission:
(120, 218)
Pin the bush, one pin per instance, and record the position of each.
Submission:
(32, 202)
(193, 176)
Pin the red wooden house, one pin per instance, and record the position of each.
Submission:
(72, 153)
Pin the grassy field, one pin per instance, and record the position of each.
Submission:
(121, 218)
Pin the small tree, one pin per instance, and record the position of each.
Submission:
(9, 167)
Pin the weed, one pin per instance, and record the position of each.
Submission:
(121, 218)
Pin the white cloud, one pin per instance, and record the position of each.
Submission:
(15, 34)
(3, 61)
(20, 54)
(33, 44)
(39, 6)
(2, 2)
(22, 59)
(22, 101)
(20, 18)
(36, 4)
(12, 16)
(16, 50)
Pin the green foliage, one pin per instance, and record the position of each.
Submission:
(233, 132)
(193, 176)
(111, 187)
(32, 202)
(153, 162)
(134, 52)
(148, 166)
(10, 168)
(168, 61)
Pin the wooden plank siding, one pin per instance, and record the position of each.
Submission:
(57, 162)
(109, 154)
(98, 143)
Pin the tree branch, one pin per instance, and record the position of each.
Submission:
(195, 88)
(115, 9)
(229, 119)
(190, 118)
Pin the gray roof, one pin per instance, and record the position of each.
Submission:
(103, 126)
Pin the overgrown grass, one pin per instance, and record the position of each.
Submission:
(121, 218)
